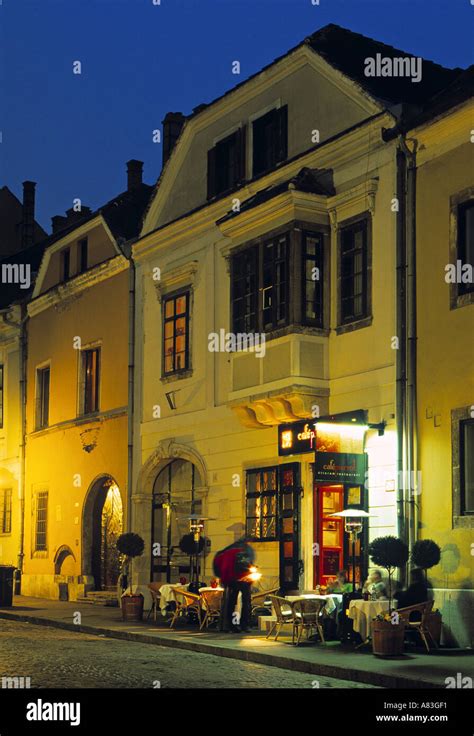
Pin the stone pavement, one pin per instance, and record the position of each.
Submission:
(412, 670)
(58, 658)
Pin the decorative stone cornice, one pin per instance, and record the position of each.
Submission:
(179, 276)
(166, 451)
(64, 294)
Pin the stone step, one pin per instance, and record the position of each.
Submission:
(100, 598)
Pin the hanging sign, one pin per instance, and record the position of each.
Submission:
(296, 438)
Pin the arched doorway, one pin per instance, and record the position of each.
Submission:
(102, 525)
(177, 492)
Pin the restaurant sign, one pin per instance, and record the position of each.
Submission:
(339, 467)
(296, 438)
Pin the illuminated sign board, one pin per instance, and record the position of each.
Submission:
(296, 438)
(340, 467)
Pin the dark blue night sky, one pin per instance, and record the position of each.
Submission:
(73, 134)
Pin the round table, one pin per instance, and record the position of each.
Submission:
(329, 605)
(362, 613)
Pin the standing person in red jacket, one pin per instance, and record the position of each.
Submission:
(232, 566)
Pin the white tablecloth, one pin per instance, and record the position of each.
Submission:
(329, 607)
(362, 613)
(166, 594)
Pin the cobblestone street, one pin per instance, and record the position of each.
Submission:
(56, 658)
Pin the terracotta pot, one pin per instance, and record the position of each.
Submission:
(387, 638)
(132, 607)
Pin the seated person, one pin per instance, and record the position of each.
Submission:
(340, 584)
(417, 591)
(375, 586)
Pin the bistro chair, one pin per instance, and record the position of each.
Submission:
(283, 612)
(419, 624)
(186, 603)
(307, 613)
(261, 599)
(154, 589)
(211, 602)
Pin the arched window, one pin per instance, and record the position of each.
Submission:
(177, 493)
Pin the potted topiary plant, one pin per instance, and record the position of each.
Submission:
(426, 554)
(131, 545)
(387, 632)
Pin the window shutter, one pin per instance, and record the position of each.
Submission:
(211, 173)
(282, 133)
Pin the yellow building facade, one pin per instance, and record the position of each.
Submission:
(445, 198)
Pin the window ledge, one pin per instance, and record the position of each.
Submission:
(463, 522)
(5, 534)
(178, 376)
(357, 325)
(461, 300)
(43, 554)
(296, 330)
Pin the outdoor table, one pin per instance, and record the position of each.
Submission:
(362, 613)
(329, 605)
(209, 588)
(166, 594)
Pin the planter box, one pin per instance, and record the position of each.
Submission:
(387, 638)
(132, 607)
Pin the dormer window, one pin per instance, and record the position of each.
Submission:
(270, 140)
(65, 264)
(226, 164)
(83, 255)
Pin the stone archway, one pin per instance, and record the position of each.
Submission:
(64, 561)
(102, 523)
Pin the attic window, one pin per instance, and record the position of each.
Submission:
(65, 264)
(83, 253)
(226, 164)
(270, 140)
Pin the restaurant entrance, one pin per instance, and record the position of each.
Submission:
(333, 551)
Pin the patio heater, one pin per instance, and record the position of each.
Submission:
(353, 525)
(196, 526)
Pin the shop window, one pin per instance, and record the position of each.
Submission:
(226, 164)
(270, 140)
(42, 397)
(261, 504)
(41, 521)
(467, 467)
(176, 333)
(5, 510)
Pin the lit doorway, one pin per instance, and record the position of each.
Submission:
(102, 525)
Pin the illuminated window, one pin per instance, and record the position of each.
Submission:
(42, 397)
(91, 374)
(262, 494)
(5, 510)
(176, 333)
(41, 521)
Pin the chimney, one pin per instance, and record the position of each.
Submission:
(61, 222)
(134, 174)
(28, 215)
(172, 126)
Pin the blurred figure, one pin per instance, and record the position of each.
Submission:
(417, 591)
(232, 566)
(340, 584)
(375, 586)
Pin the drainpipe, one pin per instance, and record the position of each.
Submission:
(21, 327)
(401, 331)
(131, 378)
(414, 487)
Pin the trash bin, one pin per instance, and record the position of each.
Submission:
(6, 585)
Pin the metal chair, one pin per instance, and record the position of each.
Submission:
(211, 603)
(283, 612)
(424, 609)
(186, 603)
(154, 589)
(307, 612)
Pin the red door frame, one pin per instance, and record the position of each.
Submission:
(318, 558)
